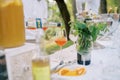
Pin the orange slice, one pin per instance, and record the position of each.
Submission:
(75, 72)
(71, 73)
(63, 71)
(81, 71)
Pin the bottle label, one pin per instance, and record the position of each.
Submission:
(38, 23)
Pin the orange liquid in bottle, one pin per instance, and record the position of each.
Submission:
(61, 41)
(12, 32)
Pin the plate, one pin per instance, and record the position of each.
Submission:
(56, 76)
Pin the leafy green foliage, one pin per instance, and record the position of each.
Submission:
(50, 32)
(87, 33)
(54, 13)
(113, 4)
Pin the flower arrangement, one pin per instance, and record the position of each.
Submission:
(87, 33)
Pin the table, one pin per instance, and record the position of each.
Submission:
(101, 59)
(19, 60)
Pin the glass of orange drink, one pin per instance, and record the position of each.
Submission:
(60, 38)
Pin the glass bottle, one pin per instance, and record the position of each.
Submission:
(40, 61)
(12, 32)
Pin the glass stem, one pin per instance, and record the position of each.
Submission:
(75, 44)
(60, 53)
(61, 48)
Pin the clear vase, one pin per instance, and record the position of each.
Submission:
(84, 46)
(84, 58)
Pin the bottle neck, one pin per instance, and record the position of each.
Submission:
(40, 42)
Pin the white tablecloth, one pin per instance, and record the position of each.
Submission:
(102, 61)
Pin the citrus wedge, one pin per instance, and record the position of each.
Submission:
(63, 71)
(81, 71)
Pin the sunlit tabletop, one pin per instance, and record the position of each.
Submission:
(104, 63)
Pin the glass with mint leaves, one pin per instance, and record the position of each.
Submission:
(87, 34)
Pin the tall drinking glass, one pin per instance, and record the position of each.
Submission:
(60, 38)
(73, 36)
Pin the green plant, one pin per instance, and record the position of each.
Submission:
(87, 33)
